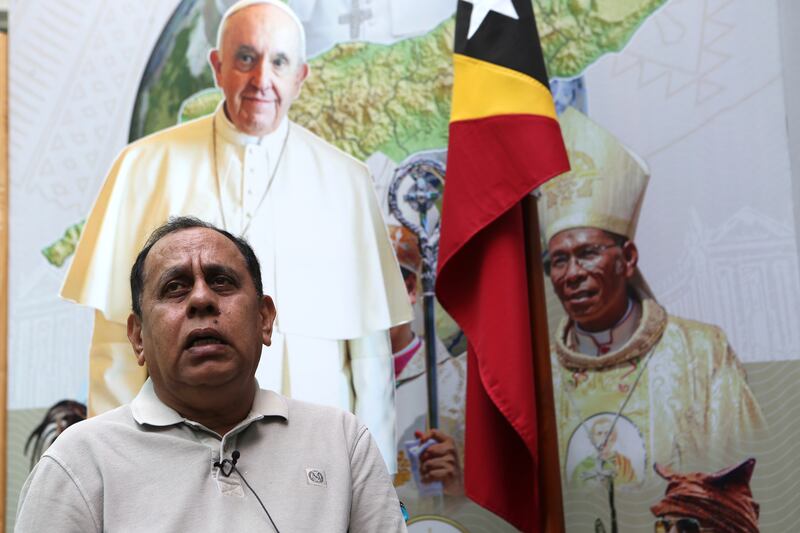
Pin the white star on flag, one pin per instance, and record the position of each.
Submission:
(481, 8)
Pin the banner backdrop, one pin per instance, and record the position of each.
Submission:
(693, 88)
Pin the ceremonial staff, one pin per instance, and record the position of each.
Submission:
(427, 183)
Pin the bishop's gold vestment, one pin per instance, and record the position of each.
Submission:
(687, 399)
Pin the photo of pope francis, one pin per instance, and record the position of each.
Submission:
(618, 352)
(309, 210)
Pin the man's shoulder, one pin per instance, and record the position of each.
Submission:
(325, 149)
(322, 417)
(700, 345)
(188, 133)
(310, 410)
(696, 329)
(81, 438)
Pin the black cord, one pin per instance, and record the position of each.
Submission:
(257, 498)
(232, 462)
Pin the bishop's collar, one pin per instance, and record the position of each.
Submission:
(612, 339)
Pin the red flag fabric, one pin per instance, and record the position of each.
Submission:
(504, 142)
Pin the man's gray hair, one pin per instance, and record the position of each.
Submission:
(241, 4)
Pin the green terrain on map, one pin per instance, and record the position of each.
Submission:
(365, 98)
(61, 250)
(576, 33)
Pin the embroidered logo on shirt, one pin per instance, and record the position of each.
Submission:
(316, 477)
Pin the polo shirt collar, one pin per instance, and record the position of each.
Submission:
(148, 409)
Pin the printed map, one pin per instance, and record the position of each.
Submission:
(361, 96)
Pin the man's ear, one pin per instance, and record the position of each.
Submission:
(135, 336)
(268, 314)
(302, 75)
(216, 64)
(305, 70)
(630, 256)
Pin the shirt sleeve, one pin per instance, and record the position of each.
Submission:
(52, 500)
(110, 239)
(375, 506)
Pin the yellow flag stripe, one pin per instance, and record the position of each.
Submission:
(482, 89)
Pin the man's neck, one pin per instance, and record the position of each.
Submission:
(401, 336)
(220, 409)
(611, 339)
(224, 122)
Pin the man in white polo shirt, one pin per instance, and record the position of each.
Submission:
(202, 447)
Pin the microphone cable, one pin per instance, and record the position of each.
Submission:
(232, 462)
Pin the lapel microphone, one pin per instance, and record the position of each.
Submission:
(230, 464)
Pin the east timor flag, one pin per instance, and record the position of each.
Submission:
(504, 142)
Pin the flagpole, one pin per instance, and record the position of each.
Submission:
(549, 474)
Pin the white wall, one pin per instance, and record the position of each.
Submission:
(789, 23)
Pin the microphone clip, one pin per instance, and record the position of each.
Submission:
(227, 466)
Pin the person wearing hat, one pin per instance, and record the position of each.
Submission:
(695, 502)
(309, 210)
(673, 388)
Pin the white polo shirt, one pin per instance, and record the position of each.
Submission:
(143, 467)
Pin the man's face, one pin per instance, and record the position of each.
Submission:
(590, 274)
(680, 524)
(599, 432)
(202, 322)
(259, 68)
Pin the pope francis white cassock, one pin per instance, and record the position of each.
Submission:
(308, 210)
